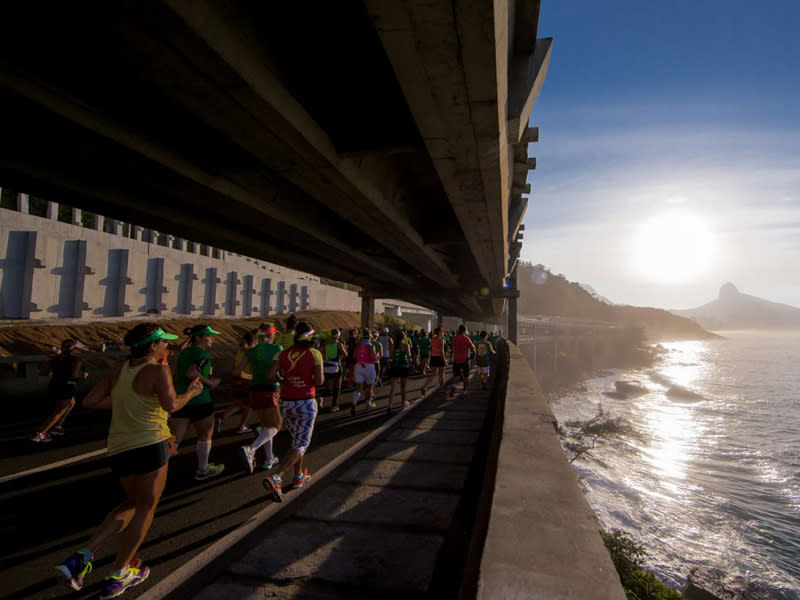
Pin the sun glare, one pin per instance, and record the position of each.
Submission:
(673, 248)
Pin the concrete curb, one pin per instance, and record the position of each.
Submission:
(170, 583)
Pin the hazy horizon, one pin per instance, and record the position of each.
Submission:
(669, 152)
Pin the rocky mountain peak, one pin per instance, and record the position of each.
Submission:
(728, 291)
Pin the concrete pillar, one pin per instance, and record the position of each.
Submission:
(136, 233)
(439, 320)
(76, 216)
(178, 243)
(111, 226)
(22, 203)
(367, 312)
(512, 310)
(52, 211)
(93, 220)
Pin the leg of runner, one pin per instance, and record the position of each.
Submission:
(205, 469)
(179, 428)
(63, 408)
(403, 381)
(391, 395)
(271, 422)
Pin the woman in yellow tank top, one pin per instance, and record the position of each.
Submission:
(140, 395)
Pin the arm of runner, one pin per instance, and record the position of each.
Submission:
(239, 367)
(165, 391)
(272, 371)
(193, 373)
(99, 397)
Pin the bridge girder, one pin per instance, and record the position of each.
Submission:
(361, 141)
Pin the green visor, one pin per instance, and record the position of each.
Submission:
(158, 334)
(204, 331)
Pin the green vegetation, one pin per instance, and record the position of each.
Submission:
(627, 556)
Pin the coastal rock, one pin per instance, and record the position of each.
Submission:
(681, 393)
(709, 583)
(630, 388)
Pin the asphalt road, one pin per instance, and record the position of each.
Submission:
(47, 515)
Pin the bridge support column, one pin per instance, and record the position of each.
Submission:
(367, 312)
(512, 310)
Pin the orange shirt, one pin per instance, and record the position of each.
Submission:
(437, 345)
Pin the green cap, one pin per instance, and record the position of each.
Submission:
(158, 334)
(197, 332)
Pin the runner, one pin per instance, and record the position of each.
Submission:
(139, 394)
(263, 397)
(387, 350)
(400, 368)
(415, 352)
(65, 370)
(300, 369)
(483, 358)
(378, 353)
(240, 386)
(462, 346)
(286, 338)
(335, 354)
(194, 361)
(365, 371)
(424, 351)
(350, 360)
(438, 359)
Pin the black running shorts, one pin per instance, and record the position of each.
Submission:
(198, 412)
(140, 460)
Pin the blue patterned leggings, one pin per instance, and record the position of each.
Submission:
(298, 417)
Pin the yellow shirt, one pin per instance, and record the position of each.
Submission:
(136, 420)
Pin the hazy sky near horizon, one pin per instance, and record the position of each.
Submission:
(669, 152)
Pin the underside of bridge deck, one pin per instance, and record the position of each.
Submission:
(380, 142)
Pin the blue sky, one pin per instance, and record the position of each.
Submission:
(685, 108)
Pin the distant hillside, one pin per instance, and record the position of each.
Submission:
(542, 293)
(734, 310)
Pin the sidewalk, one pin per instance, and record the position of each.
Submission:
(387, 526)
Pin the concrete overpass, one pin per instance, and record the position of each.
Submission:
(378, 142)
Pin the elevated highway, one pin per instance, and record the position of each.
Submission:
(382, 143)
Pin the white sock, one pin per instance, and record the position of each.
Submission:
(264, 437)
(203, 452)
(356, 396)
(268, 450)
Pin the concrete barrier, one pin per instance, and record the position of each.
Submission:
(542, 539)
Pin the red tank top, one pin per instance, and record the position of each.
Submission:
(297, 368)
(436, 345)
(363, 356)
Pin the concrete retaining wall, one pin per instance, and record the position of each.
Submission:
(543, 540)
(94, 267)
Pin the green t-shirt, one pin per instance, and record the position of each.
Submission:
(424, 344)
(400, 358)
(188, 356)
(378, 348)
(260, 358)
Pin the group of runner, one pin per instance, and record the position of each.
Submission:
(151, 410)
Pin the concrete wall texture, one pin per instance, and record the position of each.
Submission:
(92, 267)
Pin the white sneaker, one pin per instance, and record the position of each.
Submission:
(249, 458)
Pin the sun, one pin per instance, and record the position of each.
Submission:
(675, 247)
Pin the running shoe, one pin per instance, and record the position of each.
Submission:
(244, 429)
(370, 405)
(405, 404)
(75, 569)
(212, 471)
(272, 483)
(133, 576)
(40, 437)
(334, 409)
(249, 457)
(271, 464)
(300, 480)
(57, 430)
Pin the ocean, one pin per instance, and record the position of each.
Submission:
(708, 480)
